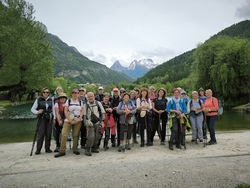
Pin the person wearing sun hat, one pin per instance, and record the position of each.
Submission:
(73, 113)
(59, 111)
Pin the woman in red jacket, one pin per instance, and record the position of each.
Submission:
(211, 110)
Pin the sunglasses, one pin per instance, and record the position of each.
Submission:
(122, 92)
(45, 92)
(115, 91)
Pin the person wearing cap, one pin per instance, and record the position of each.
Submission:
(114, 102)
(122, 91)
(177, 109)
(59, 111)
(94, 115)
(202, 96)
(184, 96)
(99, 96)
(159, 105)
(73, 110)
(43, 108)
(82, 97)
(144, 105)
(195, 109)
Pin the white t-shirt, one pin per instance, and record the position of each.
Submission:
(74, 108)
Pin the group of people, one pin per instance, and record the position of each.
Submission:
(120, 117)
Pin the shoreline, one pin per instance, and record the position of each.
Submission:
(226, 164)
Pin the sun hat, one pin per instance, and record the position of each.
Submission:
(62, 95)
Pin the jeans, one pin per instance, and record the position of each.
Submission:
(211, 124)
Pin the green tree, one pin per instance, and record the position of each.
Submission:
(26, 63)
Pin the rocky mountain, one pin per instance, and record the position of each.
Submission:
(136, 69)
(75, 67)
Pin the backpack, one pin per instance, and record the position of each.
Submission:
(220, 110)
(191, 102)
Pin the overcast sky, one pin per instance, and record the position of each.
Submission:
(124, 30)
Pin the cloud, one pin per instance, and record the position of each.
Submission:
(99, 58)
(244, 10)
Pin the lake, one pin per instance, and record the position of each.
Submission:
(18, 124)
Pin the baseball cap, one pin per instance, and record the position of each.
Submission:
(75, 91)
(100, 88)
(82, 89)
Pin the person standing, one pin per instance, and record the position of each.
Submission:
(60, 116)
(195, 109)
(211, 110)
(94, 115)
(82, 93)
(114, 102)
(73, 111)
(43, 108)
(177, 109)
(202, 95)
(126, 109)
(159, 106)
(133, 100)
(99, 96)
(143, 104)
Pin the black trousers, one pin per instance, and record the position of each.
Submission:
(44, 130)
(177, 133)
(156, 125)
(83, 134)
(57, 130)
(146, 123)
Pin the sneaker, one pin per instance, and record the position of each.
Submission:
(37, 152)
(57, 149)
(149, 144)
(59, 155)
(212, 142)
(135, 141)
(142, 144)
(76, 152)
(178, 146)
(162, 143)
(193, 140)
(120, 148)
(170, 146)
(113, 144)
(48, 151)
(87, 152)
(201, 140)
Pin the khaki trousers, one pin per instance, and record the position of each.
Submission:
(65, 131)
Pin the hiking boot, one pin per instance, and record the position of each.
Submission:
(162, 143)
(142, 144)
(59, 155)
(120, 148)
(57, 149)
(135, 141)
(127, 146)
(170, 146)
(83, 147)
(149, 144)
(212, 142)
(178, 146)
(113, 144)
(87, 152)
(201, 140)
(76, 152)
(38, 152)
(48, 151)
(193, 140)
(95, 151)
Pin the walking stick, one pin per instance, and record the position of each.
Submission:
(159, 126)
(205, 131)
(34, 139)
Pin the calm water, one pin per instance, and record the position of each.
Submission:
(17, 123)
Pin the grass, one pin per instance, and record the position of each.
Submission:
(243, 185)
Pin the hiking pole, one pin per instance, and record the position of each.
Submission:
(159, 126)
(34, 139)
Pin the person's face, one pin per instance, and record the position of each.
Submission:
(106, 98)
(81, 93)
(46, 93)
(59, 91)
(161, 93)
(62, 99)
(100, 91)
(202, 93)
(137, 93)
(122, 93)
(176, 94)
(132, 95)
(209, 94)
(126, 98)
(195, 95)
(144, 93)
(115, 92)
(152, 90)
(75, 95)
(90, 97)
(183, 96)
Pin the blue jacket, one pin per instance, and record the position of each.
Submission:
(172, 106)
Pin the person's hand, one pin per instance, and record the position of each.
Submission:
(40, 111)
(178, 112)
(60, 122)
(54, 122)
(181, 116)
(115, 108)
(102, 124)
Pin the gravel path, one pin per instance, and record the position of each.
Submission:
(226, 164)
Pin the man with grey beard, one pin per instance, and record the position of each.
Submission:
(94, 115)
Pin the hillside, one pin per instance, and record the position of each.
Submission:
(75, 67)
(179, 67)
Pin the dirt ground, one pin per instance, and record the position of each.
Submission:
(226, 164)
